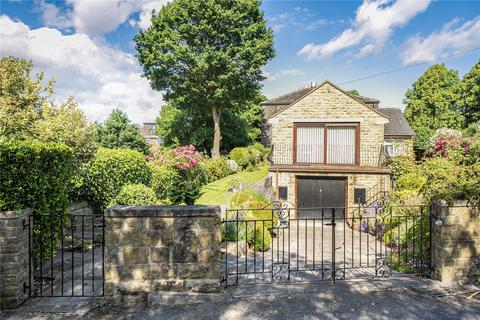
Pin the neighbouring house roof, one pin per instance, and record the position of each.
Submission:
(398, 125)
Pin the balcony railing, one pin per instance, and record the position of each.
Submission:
(310, 155)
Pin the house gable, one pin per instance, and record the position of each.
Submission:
(332, 95)
(328, 103)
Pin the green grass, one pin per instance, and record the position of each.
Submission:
(216, 193)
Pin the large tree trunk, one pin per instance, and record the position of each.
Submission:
(216, 134)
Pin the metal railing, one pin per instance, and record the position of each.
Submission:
(363, 155)
(288, 245)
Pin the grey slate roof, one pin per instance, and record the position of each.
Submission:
(398, 125)
(293, 96)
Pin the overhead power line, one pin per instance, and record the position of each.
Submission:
(410, 66)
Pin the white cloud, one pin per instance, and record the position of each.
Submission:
(52, 16)
(272, 76)
(100, 77)
(97, 18)
(451, 39)
(316, 24)
(374, 24)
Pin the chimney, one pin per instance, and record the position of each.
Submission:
(313, 84)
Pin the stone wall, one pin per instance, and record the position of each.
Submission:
(354, 180)
(162, 248)
(79, 208)
(455, 241)
(328, 104)
(14, 255)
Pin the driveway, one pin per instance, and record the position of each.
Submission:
(407, 298)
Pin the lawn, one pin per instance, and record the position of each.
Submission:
(216, 193)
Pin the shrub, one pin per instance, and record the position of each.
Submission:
(135, 195)
(36, 175)
(233, 231)
(261, 149)
(259, 238)
(241, 156)
(187, 188)
(109, 171)
(215, 169)
(163, 180)
(401, 165)
(255, 206)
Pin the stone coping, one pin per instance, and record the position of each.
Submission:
(170, 211)
(15, 214)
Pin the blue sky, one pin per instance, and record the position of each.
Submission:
(87, 46)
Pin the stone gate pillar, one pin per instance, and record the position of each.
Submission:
(162, 248)
(455, 241)
(14, 258)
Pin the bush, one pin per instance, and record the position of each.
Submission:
(36, 175)
(233, 231)
(401, 165)
(261, 149)
(259, 238)
(215, 169)
(135, 195)
(256, 207)
(241, 156)
(163, 180)
(232, 165)
(109, 171)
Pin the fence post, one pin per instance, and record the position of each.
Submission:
(14, 258)
(455, 241)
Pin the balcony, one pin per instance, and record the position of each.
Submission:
(332, 156)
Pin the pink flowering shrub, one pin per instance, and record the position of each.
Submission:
(448, 143)
(186, 157)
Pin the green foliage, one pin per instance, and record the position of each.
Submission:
(470, 94)
(118, 132)
(432, 100)
(401, 165)
(109, 171)
(411, 181)
(188, 187)
(36, 175)
(233, 229)
(21, 97)
(259, 237)
(215, 169)
(177, 126)
(255, 206)
(241, 156)
(28, 110)
(206, 56)
(163, 179)
(421, 138)
(67, 123)
(261, 149)
(135, 195)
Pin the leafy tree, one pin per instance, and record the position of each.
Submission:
(28, 110)
(206, 56)
(118, 132)
(21, 98)
(432, 100)
(470, 102)
(177, 126)
(354, 91)
(66, 123)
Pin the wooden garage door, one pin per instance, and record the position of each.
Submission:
(314, 193)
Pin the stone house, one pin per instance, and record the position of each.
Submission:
(148, 131)
(330, 147)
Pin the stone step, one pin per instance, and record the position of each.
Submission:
(162, 299)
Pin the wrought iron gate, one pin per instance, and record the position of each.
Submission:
(66, 255)
(276, 245)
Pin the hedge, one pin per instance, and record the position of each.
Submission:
(109, 171)
(163, 179)
(36, 175)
